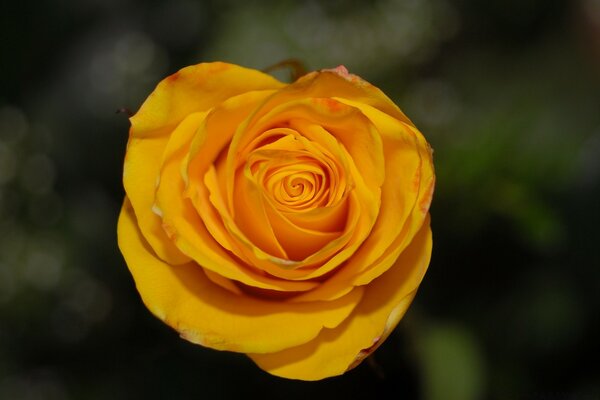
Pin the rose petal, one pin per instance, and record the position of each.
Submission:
(192, 89)
(189, 233)
(341, 123)
(211, 139)
(140, 174)
(402, 212)
(385, 301)
(406, 195)
(174, 99)
(207, 314)
(338, 117)
(332, 84)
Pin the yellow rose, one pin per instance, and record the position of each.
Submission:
(285, 221)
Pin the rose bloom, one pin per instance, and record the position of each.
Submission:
(289, 222)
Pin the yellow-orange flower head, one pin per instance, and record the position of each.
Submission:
(289, 222)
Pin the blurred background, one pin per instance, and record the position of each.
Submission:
(506, 91)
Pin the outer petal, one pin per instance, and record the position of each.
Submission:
(192, 89)
(406, 195)
(334, 84)
(384, 303)
(205, 313)
(140, 172)
(363, 92)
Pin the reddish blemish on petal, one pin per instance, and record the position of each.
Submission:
(340, 70)
(364, 353)
(416, 181)
(427, 196)
(206, 339)
(331, 104)
(173, 77)
(219, 66)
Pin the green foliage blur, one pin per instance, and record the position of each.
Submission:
(507, 93)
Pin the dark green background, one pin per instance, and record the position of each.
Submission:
(508, 94)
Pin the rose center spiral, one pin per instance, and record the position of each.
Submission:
(293, 182)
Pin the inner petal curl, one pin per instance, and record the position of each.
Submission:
(292, 181)
(294, 178)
